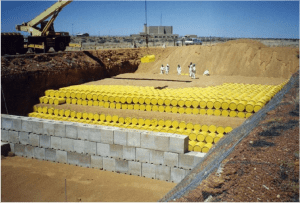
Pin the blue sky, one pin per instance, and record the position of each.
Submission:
(245, 19)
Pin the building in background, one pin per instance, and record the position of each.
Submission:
(83, 35)
(157, 32)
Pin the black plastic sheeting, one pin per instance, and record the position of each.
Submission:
(224, 147)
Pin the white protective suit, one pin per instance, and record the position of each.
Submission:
(194, 71)
(206, 73)
(167, 69)
(162, 69)
(179, 70)
(190, 70)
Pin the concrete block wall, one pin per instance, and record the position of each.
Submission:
(161, 156)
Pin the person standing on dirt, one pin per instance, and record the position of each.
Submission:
(167, 69)
(162, 69)
(194, 71)
(178, 69)
(190, 69)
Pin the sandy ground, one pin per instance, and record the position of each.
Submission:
(31, 180)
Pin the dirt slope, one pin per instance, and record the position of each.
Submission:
(239, 57)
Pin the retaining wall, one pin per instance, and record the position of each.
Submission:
(161, 156)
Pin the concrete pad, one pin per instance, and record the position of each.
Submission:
(59, 129)
(26, 124)
(135, 168)
(163, 173)
(29, 151)
(17, 123)
(147, 140)
(156, 157)
(122, 166)
(19, 150)
(142, 155)
(120, 137)
(82, 131)
(129, 153)
(24, 138)
(6, 122)
(95, 134)
(178, 143)
(67, 144)
(4, 135)
(13, 137)
(148, 170)
(79, 146)
(71, 131)
(45, 141)
(177, 174)
(134, 138)
(107, 135)
(55, 142)
(161, 141)
(38, 127)
(170, 159)
(34, 140)
(90, 148)
(109, 164)
(12, 147)
(39, 153)
(61, 156)
(50, 155)
(84, 160)
(73, 158)
(116, 151)
(49, 128)
(97, 162)
(103, 149)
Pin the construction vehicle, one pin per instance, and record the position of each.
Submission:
(42, 35)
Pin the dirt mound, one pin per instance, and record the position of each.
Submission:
(240, 57)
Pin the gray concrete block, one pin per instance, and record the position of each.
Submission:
(103, 149)
(147, 140)
(71, 131)
(185, 161)
(13, 137)
(198, 156)
(129, 153)
(177, 174)
(4, 135)
(156, 157)
(17, 123)
(73, 158)
(61, 156)
(26, 124)
(142, 155)
(24, 138)
(122, 166)
(116, 151)
(45, 141)
(163, 172)
(83, 132)
(12, 147)
(67, 144)
(34, 140)
(109, 164)
(135, 168)
(39, 153)
(148, 170)
(50, 155)
(97, 162)
(161, 141)
(55, 142)
(19, 150)
(134, 138)
(6, 122)
(178, 143)
(107, 135)
(84, 160)
(79, 146)
(95, 134)
(90, 148)
(37, 127)
(59, 129)
(171, 159)
(49, 128)
(29, 151)
(120, 137)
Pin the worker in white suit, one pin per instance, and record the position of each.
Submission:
(194, 71)
(162, 68)
(167, 69)
(206, 73)
(190, 69)
(178, 69)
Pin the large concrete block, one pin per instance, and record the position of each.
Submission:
(177, 175)
(50, 155)
(29, 151)
(122, 166)
(90, 148)
(59, 129)
(156, 157)
(186, 161)
(37, 127)
(73, 158)
(12, 147)
(134, 138)
(6, 122)
(97, 162)
(120, 137)
(198, 156)
(116, 151)
(83, 131)
(34, 140)
(13, 137)
(48, 128)
(142, 155)
(148, 170)
(71, 131)
(67, 144)
(55, 142)
(162, 141)
(109, 164)
(103, 149)
(135, 168)
(45, 141)
(107, 135)
(39, 153)
(171, 159)
(26, 124)
(148, 140)
(84, 160)
(17, 123)
(61, 156)
(24, 138)
(95, 134)
(129, 153)
(178, 143)
(163, 172)
(79, 146)
(19, 150)
(4, 135)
